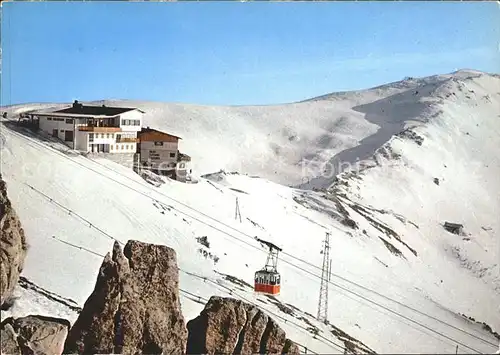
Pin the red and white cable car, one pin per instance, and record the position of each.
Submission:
(268, 279)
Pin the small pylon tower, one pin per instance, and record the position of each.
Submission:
(325, 277)
(237, 212)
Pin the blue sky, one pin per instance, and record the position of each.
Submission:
(234, 53)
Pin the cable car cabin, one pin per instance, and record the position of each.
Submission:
(268, 279)
(268, 282)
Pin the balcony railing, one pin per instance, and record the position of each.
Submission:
(127, 140)
(99, 129)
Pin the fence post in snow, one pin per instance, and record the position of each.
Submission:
(456, 349)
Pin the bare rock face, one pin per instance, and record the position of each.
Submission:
(13, 248)
(8, 340)
(33, 335)
(230, 326)
(134, 307)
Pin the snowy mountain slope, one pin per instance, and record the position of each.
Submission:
(74, 269)
(118, 202)
(290, 144)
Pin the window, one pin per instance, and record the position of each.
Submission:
(137, 122)
(172, 155)
(123, 122)
(116, 147)
(110, 147)
(68, 136)
(69, 120)
(49, 118)
(107, 135)
(122, 147)
(126, 146)
(158, 143)
(91, 137)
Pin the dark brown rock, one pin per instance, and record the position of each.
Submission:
(13, 248)
(135, 305)
(230, 326)
(33, 335)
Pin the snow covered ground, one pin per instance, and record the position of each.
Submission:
(399, 282)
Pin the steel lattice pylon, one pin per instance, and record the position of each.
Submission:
(325, 276)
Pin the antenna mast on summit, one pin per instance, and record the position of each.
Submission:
(325, 278)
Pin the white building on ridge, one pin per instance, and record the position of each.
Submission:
(93, 128)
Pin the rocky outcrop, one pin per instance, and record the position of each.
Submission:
(230, 326)
(13, 248)
(134, 307)
(33, 335)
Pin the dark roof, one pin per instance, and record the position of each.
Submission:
(148, 130)
(95, 110)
